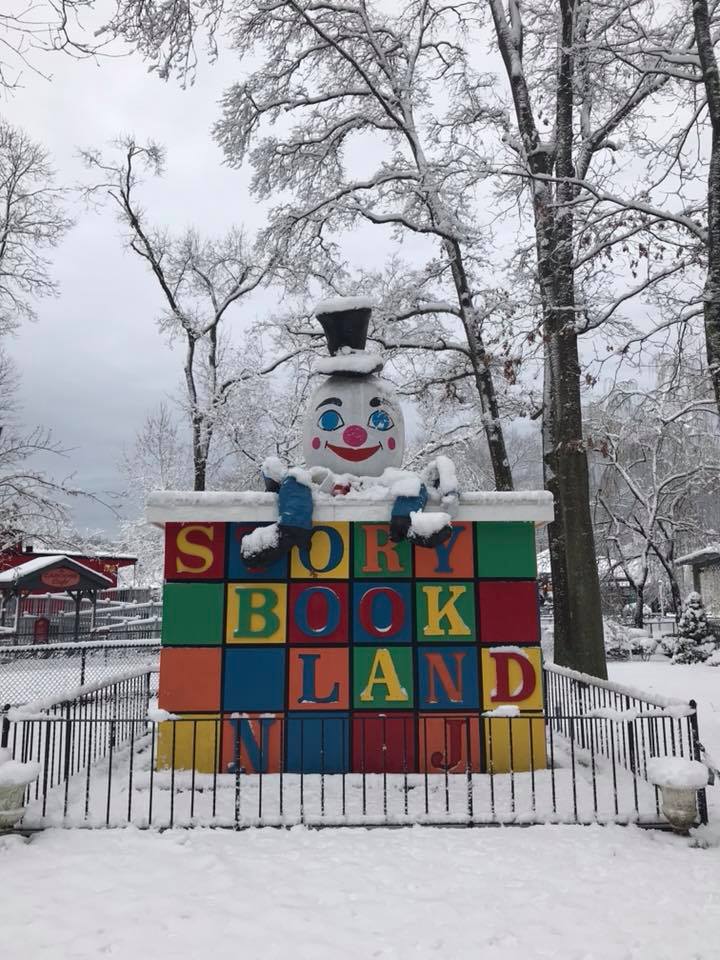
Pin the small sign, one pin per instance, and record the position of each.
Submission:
(60, 577)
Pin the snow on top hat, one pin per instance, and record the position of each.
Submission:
(345, 322)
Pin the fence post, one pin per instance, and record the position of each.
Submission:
(697, 750)
(5, 727)
(83, 652)
(631, 739)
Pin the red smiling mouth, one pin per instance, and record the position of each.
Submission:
(350, 453)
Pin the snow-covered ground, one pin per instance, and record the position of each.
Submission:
(573, 893)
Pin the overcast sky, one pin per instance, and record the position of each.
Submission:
(94, 363)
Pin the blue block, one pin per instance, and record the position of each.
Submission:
(374, 606)
(448, 678)
(238, 569)
(253, 680)
(317, 742)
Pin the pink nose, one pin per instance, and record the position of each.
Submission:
(354, 436)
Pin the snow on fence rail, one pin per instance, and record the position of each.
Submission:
(108, 761)
(29, 671)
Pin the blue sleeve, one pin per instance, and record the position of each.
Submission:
(295, 504)
(404, 506)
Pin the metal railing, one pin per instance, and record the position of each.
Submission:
(603, 719)
(105, 762)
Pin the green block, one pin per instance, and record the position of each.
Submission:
(445, 611)
(383, 678)
(376, 556)
(193, 614)
(506, 551)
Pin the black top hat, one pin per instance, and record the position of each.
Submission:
(345, 322)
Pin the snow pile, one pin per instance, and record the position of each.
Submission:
(13, 773)
(357, 362)
(338, 304)
(618, 645)
(274, 469)
(157, 715)
(260, 539)
(509, 710)
(404, 482)
(678, 773)
(427, 524)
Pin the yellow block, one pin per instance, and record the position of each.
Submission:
(256, 613)
(512, 676)
(517, 739)
(192, 736)
(329, 554)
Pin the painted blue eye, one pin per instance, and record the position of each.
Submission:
(380, 420)
(330, 420)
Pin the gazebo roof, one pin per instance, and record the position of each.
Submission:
(699, 558)
(53, 573)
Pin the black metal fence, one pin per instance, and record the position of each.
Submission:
(30, 672)
(105, 761)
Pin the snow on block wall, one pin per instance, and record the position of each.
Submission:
(358, 654)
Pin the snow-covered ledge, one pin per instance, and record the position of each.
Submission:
(185, 506)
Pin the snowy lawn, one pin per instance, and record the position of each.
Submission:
(574, 893)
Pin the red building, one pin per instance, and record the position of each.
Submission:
(105, 563)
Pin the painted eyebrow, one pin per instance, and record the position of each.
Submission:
(336, 400)
(380, 402)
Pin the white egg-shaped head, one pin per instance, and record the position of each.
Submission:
(354, 425)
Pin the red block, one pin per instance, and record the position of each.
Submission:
(318, 613)
(509, 611)
(383, 744)
(194, 551)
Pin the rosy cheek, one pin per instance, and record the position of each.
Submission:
(316, 443)
(391, 443)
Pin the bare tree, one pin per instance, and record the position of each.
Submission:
(200, 282)
(33, 503)
(28, 30)
(335, 73)
(572, 96)
(32, 220)
(659, 453)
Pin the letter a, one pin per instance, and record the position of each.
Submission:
(383, 671)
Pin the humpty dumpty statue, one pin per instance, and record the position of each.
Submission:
(353, 440)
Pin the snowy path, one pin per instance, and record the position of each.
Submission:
(573, 893)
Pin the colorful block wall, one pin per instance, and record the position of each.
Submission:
(357, 655)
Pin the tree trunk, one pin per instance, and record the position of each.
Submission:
(579, 639)
(199, 455)
(639, 618)
(484, 382)
(711, 293)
